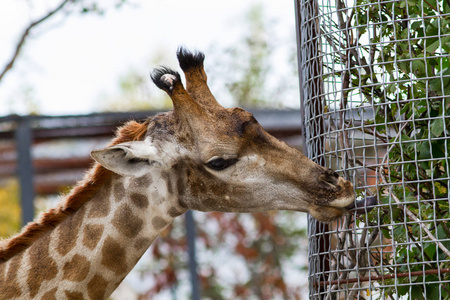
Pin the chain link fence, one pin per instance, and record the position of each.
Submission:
(375, 89)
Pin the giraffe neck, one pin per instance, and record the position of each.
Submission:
(88, 254)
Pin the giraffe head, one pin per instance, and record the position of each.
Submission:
(221, 159)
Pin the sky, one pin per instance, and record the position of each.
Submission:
(71, 61)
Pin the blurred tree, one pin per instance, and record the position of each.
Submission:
(241, 256)
(24, 100)
(24, 97)
(61, 7)
(247, 67)
(10, 209)
(251, 61)
(136, 91)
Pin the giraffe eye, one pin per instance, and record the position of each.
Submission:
(219, 164)
(136, 160)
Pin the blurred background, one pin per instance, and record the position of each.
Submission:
(72, 71)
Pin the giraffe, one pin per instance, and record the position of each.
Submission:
(198, 156)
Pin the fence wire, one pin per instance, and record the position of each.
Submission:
(375, 88)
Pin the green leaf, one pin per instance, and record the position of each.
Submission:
(430, 250)
(386, 233)
(412, 3)
(402, 290)
(416, 25)
(437, 127)
(404, 66)
(432, 292)
(442, 81)
(399, 233)
(391, 88)
(438, 149)
(406, 108)
(446, 46)
(419, 65)
(441, 234)
(446, 7)
(416, 292)
(432, 46)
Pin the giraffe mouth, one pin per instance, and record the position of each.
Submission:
(363, 206)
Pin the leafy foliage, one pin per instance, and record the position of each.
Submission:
(398, 62)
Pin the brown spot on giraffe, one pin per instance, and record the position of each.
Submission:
(9, 286)
(142, 243)
(50, 295)
(143, 181)
(68, 232)
(74, 295)
(174, 212)
(159, 223)
(119, 191)
(42, 266)
(180, 170)
(181, 185)
(92, 234)
(139, 200)
(76, 269)
(170, 180)
(101, 202)
(208, 202)
(126, 222)
(114, 256)
(97, 287)
(156, 197)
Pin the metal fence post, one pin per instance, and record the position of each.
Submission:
(311, 108)
(23, 137)
(190, 232)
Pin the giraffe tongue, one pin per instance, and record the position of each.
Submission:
(363, 206)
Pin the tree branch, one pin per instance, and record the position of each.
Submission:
(25, 34)
(383, 277)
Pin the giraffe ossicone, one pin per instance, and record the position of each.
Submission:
(198, 156)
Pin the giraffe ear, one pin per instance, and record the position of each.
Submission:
(128, 159)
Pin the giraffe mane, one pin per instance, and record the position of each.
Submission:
(80, 194)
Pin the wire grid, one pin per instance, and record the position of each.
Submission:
(375, 88)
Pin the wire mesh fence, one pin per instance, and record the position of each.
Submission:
(375, 88)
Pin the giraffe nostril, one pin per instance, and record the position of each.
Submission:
(330, 177)
(327, 179)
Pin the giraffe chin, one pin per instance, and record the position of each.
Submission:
(329, 213)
